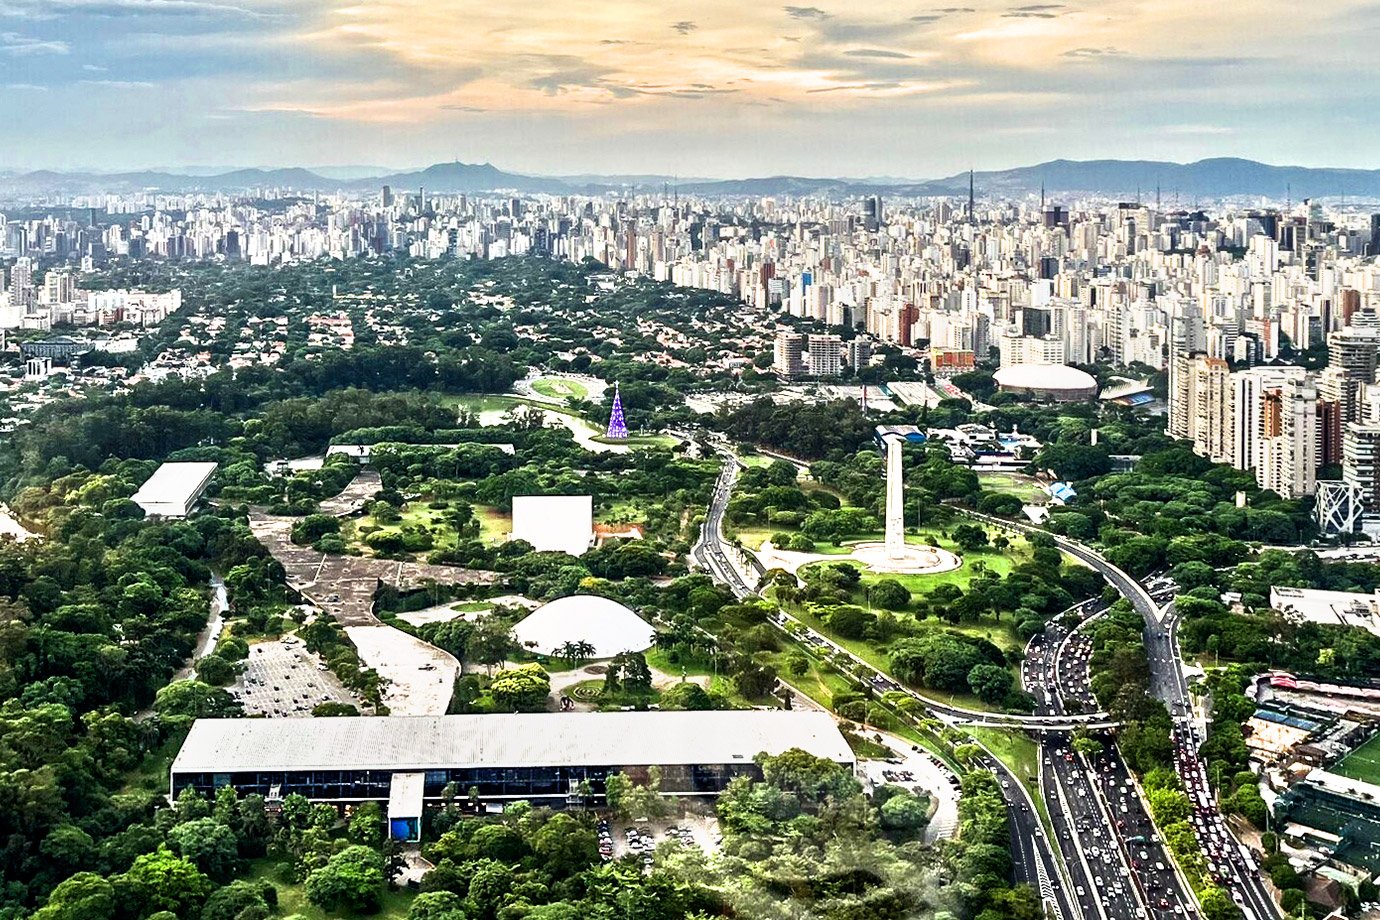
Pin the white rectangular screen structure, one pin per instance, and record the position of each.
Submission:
(554, 523)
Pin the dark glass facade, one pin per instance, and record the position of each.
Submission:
(492, 782)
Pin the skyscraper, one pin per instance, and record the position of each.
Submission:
(826, 355)
(789, 362)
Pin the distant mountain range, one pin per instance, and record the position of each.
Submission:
(1184, 182)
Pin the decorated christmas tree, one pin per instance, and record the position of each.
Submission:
(617, 427)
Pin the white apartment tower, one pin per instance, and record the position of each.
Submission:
(1287, 457)
(826, 355)
(789, 362)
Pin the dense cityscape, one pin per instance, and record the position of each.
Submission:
(697, 514)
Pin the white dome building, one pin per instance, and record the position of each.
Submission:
(605, 624)
(1047, 381)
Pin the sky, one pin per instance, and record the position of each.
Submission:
(715, 88)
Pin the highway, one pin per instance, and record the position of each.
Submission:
(1230, 866)
(1110, 847)
(1101, 823)
(1032, 856)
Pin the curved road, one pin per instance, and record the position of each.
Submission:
(1033, 858)
(1235, 873)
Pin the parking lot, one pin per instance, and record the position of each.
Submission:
(282, 679)
(641, 838)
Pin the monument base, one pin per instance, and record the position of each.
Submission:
(914, 559)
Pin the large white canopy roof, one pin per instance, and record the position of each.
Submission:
(605, 624)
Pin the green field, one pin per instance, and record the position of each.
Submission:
(560, 388)
(292, 899)
(1023, 487)
(1361, 764)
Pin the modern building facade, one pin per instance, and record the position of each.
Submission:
(408, 761)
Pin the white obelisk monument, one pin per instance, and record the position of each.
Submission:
(895, 501)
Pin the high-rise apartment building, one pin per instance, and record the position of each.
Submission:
(1200, 406)
(859, 353)
(826, 355)
(1361, 461)
(1287, 456)
(1351, 361)
(789, 362)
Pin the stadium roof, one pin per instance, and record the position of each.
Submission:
(605, 624)
(1044, 377)
(174, 482)
(416, 743)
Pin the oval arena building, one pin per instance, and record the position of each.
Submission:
(1047, 381)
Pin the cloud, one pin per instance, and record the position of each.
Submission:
(52, 9)
(26, 87)
(876, 53)
(94, 68)
(684, 27)
(805, 12)
(1035, 11)
(1093, 53)
(17, 45)
(1196, 130)
(118, 84)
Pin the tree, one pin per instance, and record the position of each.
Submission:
(240, 900)
(904, 813)
(992, 683)
(207, 843)
(890, 594)
(686, 695)
(437, 905)
(367, 825)
(192, 699)
(970, 537)
(490, 641)
(521, 689)
(616, 789)
(84, 896)
(215, 670)
(565, 846)
(164, 881)
(489, 883)
(351, 880)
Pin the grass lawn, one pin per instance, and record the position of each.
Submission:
(471, 606)
(494, 525)
(659, 659)
(592, 691)
(1023, 487)
(646, 441)
(152, 773)
(820, 683)
(415, 514)
(560, 388)
(1362, 764)
(292, 899)
(1021, 755)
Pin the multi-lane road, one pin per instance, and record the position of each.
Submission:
(1230, 863)
(1114, 854)
(1112, 858)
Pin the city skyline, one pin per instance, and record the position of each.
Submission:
(723, 91)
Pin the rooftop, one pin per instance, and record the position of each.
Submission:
(415, 743)
(1044, 377)
(174, 482)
